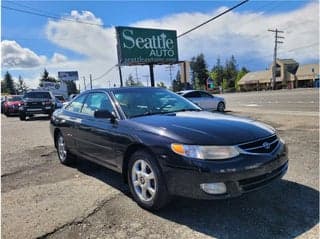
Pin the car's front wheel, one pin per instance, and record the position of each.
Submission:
(221, 107)
(22, 116)
(62, 151)
(146, 182)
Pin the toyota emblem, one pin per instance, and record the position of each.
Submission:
(266, 145)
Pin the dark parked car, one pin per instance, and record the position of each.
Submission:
(11, 104)
(165, 145)
(37, 102)
(204, 99)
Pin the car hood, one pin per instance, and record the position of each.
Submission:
(203, 128)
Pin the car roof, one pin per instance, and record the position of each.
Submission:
(188, 91)
(124, 89)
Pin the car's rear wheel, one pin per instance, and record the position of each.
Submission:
(221, 107)
(62, 151)
(146, 182)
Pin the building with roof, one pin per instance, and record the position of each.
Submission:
(289, 74)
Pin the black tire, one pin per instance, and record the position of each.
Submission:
(22, 116)
(221, 107)
(62, 151)
(161, 196)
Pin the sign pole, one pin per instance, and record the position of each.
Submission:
(90, 82)
(151, 75)
(120, 73)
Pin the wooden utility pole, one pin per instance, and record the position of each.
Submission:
(274, 64)
(90, 81)
(84, 83)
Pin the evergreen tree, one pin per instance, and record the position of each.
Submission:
(200, 72)
(176, 83)
(21, 86)
(230, 71)
(8, 84)
(217, 73)
(72, 87)
(45, 77)
(3, 89)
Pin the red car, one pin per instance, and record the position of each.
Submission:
(12, 104)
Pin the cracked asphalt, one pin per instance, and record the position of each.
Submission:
(43, 199)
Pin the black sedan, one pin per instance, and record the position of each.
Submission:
(164, 145)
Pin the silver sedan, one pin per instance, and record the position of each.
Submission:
(204, 99)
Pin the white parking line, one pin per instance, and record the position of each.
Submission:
(252, 105)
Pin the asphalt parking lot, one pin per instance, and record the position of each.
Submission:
(43, 199)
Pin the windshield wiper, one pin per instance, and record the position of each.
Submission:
(183, 110)
(163, 112)
(148, 113)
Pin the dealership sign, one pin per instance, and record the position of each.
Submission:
(146, 46)
(68, 75)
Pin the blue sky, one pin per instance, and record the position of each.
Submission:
(31, 32)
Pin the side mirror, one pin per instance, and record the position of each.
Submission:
(104, 114)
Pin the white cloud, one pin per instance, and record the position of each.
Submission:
(90, 40)
(58, 58)
(15, 56)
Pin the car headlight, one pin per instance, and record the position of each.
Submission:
(205, 152)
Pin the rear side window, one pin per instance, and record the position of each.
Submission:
(76, 105)
(205, 94)
(43, 95)
(194, 94)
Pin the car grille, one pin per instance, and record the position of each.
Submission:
(249, 184)
(265, 145)
(34, 104)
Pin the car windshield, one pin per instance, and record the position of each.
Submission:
(141, 102)
(15, 98)
(37, 95)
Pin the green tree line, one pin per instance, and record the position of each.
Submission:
(9, 86)
(226, 76)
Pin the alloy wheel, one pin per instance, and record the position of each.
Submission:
(144, 180)
(61, 148)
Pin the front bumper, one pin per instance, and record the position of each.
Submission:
(13, 110)
(39, 110)
(186, 182)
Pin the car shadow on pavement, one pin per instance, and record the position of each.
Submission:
(38, 118)
(283, 209)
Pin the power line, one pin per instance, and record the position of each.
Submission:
(50, 16)
(213, 18)
(105, 73)
(32, 8)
